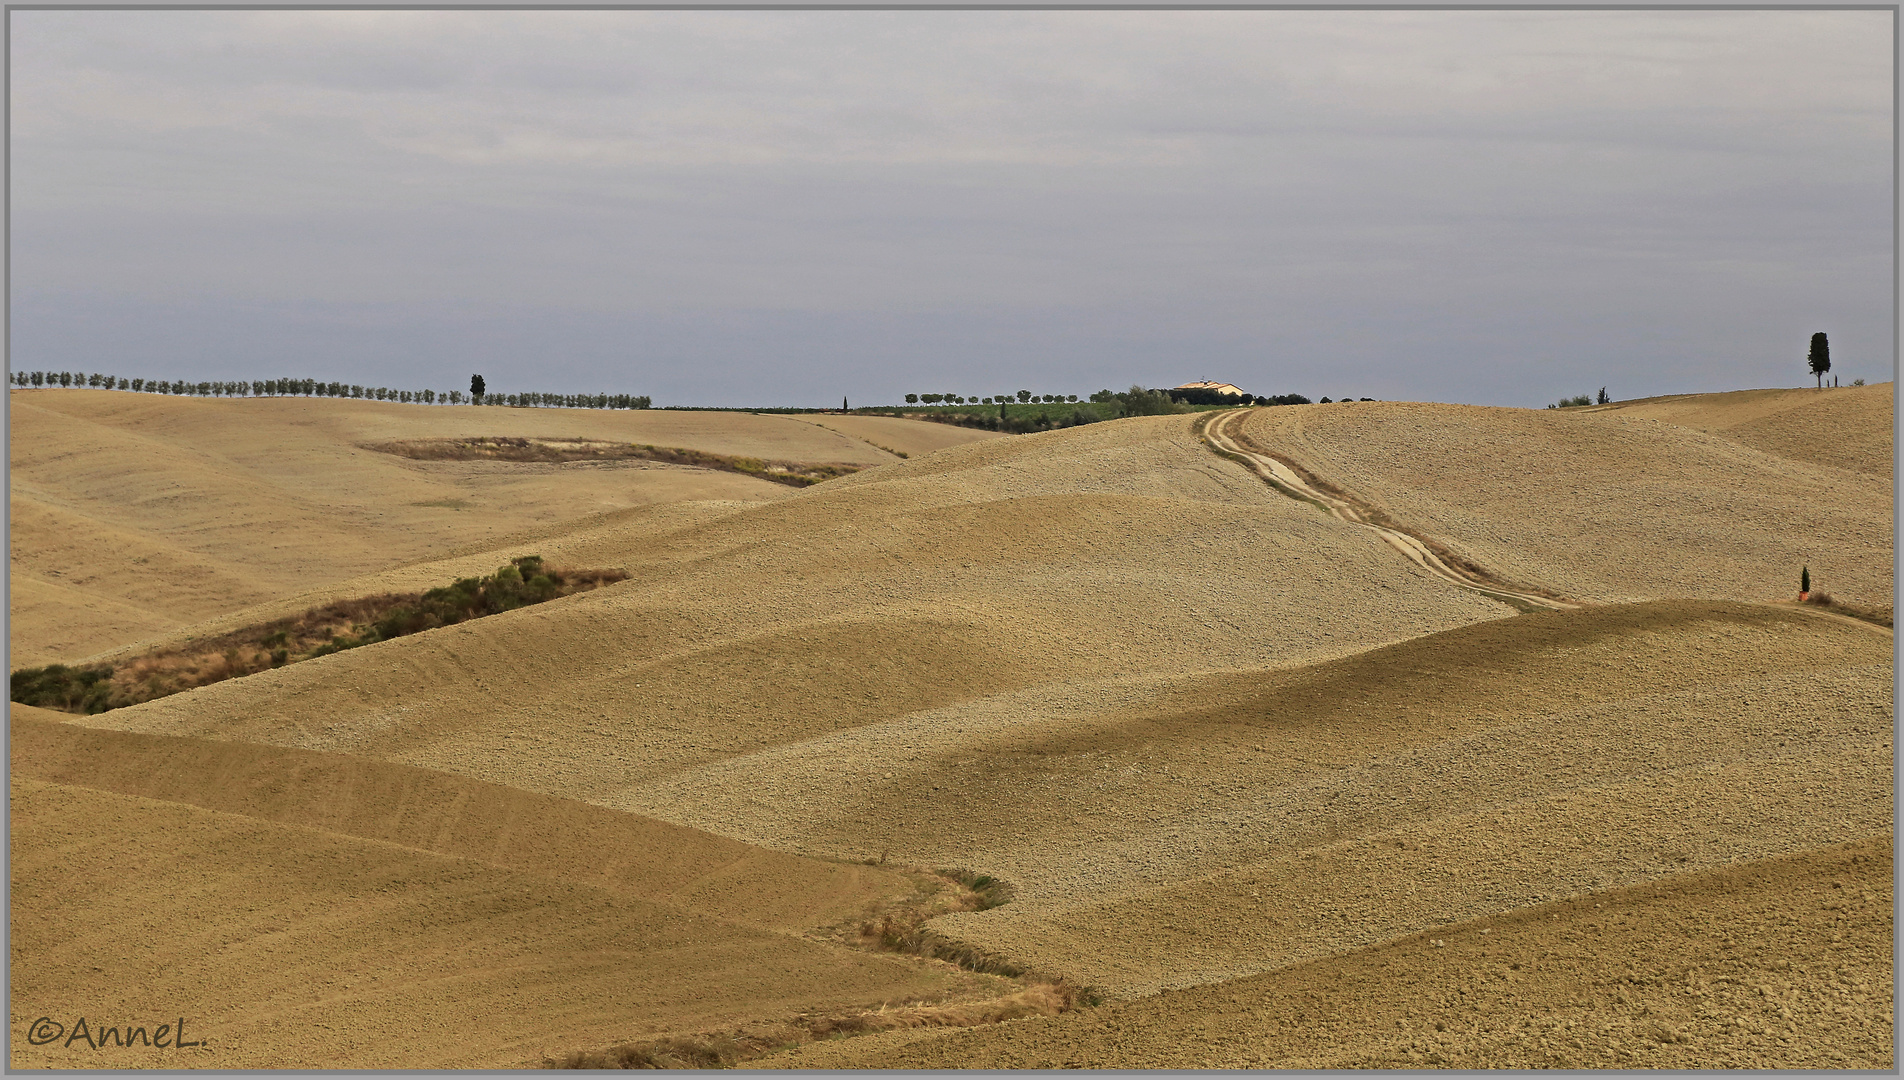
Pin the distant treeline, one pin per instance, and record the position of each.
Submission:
(316, 388)
(1025, 412)
(1182, 395)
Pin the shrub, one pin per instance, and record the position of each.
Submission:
(56, 686)
(1138, 401)
(340, 625)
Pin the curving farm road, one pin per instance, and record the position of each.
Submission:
(1279, 475)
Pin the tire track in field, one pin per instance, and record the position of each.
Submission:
(1279, 475)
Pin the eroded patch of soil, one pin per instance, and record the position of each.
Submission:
(557, 451)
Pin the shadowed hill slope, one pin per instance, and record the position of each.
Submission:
(1195, 830)
(455, 816)
(1776, 963)
(291, 947)
(1601, 505)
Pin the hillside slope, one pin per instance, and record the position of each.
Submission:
(1775, 963)
(1208, 736)
(1115, 551)
(291, 947)
(1224, 826)
(1845, 427)
(1602, 505)
(315, 910)
(139, 513)
(451, 815)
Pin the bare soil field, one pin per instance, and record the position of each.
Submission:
(138, 514)
(1609, 506)
(1775, 963)
(896, 435)
(1235, 760)
(1847, 427)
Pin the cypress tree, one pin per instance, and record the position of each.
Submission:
(1820, 358)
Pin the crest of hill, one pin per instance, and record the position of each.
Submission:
(1602, 505)
(905, 437)
(1846, 427)
(137, 514)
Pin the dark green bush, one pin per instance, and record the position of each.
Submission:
(56, 686)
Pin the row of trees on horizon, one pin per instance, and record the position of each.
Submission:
(319, 388)
(1187, 396)
(1023, 397)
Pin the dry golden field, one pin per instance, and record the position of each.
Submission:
(1261, 791)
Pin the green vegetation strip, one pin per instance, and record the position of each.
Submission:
(320, 631)
(555, 451)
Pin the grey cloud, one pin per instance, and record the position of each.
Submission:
(1447, 202)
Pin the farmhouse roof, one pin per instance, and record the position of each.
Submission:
(1219, 387)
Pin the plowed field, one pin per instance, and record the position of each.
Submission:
(1265, 790)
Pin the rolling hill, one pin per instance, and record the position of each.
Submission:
(1227, 752)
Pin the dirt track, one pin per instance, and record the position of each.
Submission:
(1600, 505)
(1280, 476)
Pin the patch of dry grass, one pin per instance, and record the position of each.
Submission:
(722, 1050)
(899, 929)
(1879, 615)
(902, 928)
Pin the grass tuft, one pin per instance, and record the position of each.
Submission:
(677, 1052)
(724, 1051)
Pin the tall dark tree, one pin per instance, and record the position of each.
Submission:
(1820, 358)
(476, 389)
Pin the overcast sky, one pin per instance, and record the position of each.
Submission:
(762, 208)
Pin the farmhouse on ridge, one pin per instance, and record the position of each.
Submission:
(1214, 387)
